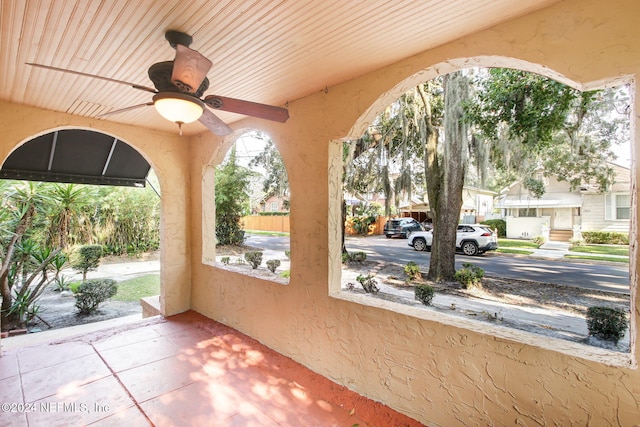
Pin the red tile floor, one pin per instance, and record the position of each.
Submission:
(184, 370)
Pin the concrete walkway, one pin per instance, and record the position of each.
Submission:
(558, 250)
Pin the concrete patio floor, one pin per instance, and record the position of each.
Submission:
(185, 370)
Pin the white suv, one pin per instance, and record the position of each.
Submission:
(471, 239)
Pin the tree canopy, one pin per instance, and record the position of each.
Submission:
(232, 199)
(498, 126)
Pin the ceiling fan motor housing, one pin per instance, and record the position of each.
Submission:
(160, 74)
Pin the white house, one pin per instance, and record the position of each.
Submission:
(563, 213)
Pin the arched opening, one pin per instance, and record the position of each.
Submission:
(250, 209)
(84, 189)
(342, 285)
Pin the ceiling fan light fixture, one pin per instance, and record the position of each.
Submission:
(177, 107)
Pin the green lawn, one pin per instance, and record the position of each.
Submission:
(513, 251)
(267, 233)
(619, 250)
(516, 243)
(140, 287)
(597, 258)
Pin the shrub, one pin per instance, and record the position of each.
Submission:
(87, 258)
(287, 253)
(354, 257)
(412, 270)
(606, 323)
(368, 283)
(93, 292)
(424, 293)
(272, 213)
(539, 240)
(286, 274)
(254, 258)
(499, 224)
(272, 264)
(73, 286)
(225, 260)
(61, 283)
(361, 224)
(605, 238)
(576, 242)
(469, 275)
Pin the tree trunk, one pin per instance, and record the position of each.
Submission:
(5, 288)
(445, 178)
(344, 226)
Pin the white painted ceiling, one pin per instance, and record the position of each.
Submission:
(267, 51)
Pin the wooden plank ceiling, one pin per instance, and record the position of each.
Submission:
(268, 51)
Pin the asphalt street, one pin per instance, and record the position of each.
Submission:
(590, 275)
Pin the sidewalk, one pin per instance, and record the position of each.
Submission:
(558, 250)
(117, 271)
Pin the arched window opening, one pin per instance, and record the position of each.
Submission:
(252, 208)
(495, 195)
(81, 209)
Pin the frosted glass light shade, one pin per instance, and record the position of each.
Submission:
(177, 107)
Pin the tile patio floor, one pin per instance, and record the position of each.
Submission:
(184, 370)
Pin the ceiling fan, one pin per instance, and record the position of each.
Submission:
(179, 87)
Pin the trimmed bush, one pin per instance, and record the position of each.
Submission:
(87, 258)
(254, 258)
(424, 293)
(412, 270)
(605, 238)
(606, 323)
(539, 240)
(499, 224)
(469, 275)
(273, 264)
(93, 292)
(273, 213)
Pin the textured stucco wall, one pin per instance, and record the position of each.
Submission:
(168, 157)
(437, 370)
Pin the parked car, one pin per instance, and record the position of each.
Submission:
(402, 227)
(471, 239)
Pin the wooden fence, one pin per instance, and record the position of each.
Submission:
(275, 223)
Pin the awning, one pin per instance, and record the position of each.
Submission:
(551, 200)
(77, 156)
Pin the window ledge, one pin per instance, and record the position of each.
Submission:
(569, 348)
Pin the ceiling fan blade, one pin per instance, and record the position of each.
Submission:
(79, 73)
(263, 111)
(122, 110)
(214, 124)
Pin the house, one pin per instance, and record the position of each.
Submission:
(335, 66)
(477, 204)
(563, 213)
(274, 203)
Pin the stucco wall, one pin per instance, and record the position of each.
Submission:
(439, 370)
(442, 374)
